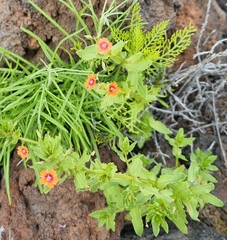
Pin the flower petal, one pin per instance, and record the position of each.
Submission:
(113, 89)
(42, 181)
(104, 46)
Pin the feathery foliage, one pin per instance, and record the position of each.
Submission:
(153, 44)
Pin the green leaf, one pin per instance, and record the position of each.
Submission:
(109, 100)
(181, 190)
(147, 175)
(166, 195)
(147, 188)
(89, 53)
(156, 169)
(82, 160)
(205, 188)
(134, 58)
(122, 179)
(53, 121)
(192, 205)
(165, 225)
(49, 148)
(119, 153)
(159, 127)
(164, 180)
(204, 159)
(80, 181)
(136, 166)
(209, 198)
(142, 199)
(113, 195)
(137, 66)
(105, 216)
(181, 141)
(66, 164)
(117, 48)
(125, 145)
(207, 176)
(156, 226)
(193, 171)
(178, 42)
(137, 222)
(8, 132)
(177, 152)
(179, 218)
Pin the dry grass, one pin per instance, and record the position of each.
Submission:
(198, 88)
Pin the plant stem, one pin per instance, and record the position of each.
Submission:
(28, 140)
(177, 162)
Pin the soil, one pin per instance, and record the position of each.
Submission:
(64, 213)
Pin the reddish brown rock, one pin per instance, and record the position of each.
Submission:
(61, 214)
(215, 23)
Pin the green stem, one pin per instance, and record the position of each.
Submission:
(177, 159)
(177, 162)
(37, 173)
(123, 176)
(91, 134)
(27, 140)
(120, 59)
(127, 163)
(6, 168)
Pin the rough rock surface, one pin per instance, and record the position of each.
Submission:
(213, 27)
(16, 14)
(60, 214)
(196, 231)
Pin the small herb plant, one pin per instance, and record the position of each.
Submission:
(61, 112)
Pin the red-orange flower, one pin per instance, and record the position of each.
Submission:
(113, 89)
(22, 151)
(90, 81)
(104, 46)
(49, 178)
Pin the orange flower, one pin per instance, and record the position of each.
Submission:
(113, 89)
(90, 81)
(49, 178)
(22, 151)
(104, 46)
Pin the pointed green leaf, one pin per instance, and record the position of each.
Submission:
(164, 180)
(137, 66)
(192, 205)
(155, 226)
(205, 188)
(89, 53)
(193, 171)
(137, 222)
(209, 198)
(181, 190)
(179, 219)
(117, 48)
(165, 225)
(136, 165)
(80, 181)
(159, 127)
(113, 195)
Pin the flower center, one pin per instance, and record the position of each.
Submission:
(111, 88)
(104, 45)
(49, 177)
(23, 151)
(91, 81)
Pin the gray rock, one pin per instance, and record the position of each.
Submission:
(196, 231)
